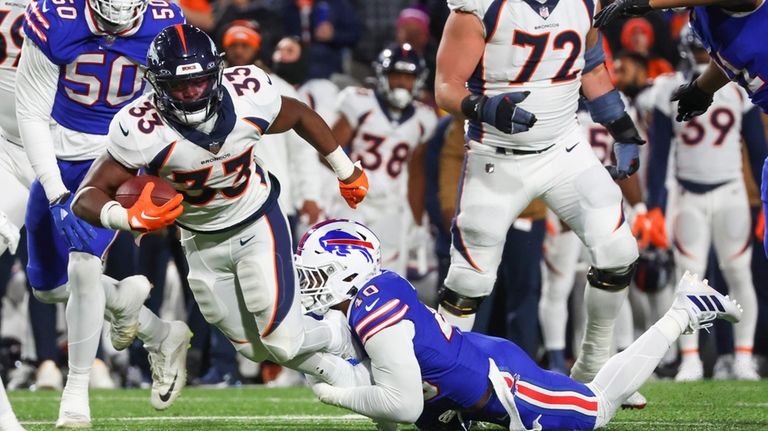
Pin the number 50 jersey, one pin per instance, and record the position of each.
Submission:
(223, 184)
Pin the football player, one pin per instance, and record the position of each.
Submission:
(82, 61)
(385, 130)
(197, 129)
(522, 147)
(8, 421)
(429, 372)
(712, 208)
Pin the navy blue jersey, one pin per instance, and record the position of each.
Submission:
(98, 73)
(454, 365)
(736, 44)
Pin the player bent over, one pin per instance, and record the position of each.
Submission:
(197, 130)
(431, 373)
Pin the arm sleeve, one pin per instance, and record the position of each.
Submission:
(36, 83)
(754, 137)
(396, 394)
(660, 137)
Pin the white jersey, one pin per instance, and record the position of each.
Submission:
(536, 47)
(382, 144)
(321, 95)
(11, 18)
(707, 149)
(223, 184)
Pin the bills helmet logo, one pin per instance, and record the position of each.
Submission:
(343, 243)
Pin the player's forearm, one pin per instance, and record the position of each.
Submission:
(630, 188)
(449, 95)
(94, 201)
(374, 402)
(596, 82)
(712, 79)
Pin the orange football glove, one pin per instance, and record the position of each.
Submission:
(760, 226)
(145, 216)
(651, 229)
(354, 192)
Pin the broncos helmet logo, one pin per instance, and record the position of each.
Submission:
(343, 243)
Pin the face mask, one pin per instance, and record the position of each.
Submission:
(295, 73)
(399, 98)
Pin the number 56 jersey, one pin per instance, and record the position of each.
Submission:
(223, 184)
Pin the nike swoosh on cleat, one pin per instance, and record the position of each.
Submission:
(246, 241)
(167, 396)
(568, 150)
(125, 132)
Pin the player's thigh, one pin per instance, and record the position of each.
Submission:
(587, 199)
(731, 225)
(47, 249)
(692, 232)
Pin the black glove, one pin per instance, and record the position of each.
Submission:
(691, 101)
(621, 9)
(500, 111)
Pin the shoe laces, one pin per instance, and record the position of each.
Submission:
(156, 362)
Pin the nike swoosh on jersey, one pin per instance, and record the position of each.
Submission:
(125, 132)
(246, 241)
(167, 396)
(568, 150)
(370, 306)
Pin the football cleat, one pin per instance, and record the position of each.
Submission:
(744, 368)
(74, 411)
(635, 401)
(169, 365)
(8, 422)
(691, 370)
(703, 304)
(49, 376)
(124, 314)
(100, 377)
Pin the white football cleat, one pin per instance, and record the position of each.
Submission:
(169, 365)
(100, 377)
(744, 368)
(691, 370)
(703, 303)
(8, 422)
(635, 401)
(124, 314)
(723, 368)
(49, 376)
(74, 411)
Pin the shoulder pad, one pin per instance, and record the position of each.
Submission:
(48, 25)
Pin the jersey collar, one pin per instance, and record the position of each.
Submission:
(404, 116)
(221, 129)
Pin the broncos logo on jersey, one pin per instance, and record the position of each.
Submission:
(343, 243)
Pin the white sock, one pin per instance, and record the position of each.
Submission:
(465, 323)
(624, 331)
(84, 312)
(602, 309)
(152, 329)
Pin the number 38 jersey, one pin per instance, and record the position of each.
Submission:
(531, 46)
(382, 144)
(707, 148)
(223, 184)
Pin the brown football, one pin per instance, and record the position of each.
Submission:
(128, 192)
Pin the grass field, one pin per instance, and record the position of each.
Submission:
(672, 406)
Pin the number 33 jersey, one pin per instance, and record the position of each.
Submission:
(530, 46)
(222, 182)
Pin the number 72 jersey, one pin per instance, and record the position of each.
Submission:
(222, 182)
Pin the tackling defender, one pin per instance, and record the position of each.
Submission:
(197, 129)
(426, 371)
(82, 61)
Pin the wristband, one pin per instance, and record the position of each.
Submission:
(340, 163)
(114, 216)
(472, 106)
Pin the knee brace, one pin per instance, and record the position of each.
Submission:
(611, 280)
(53, 296)
(459, 304)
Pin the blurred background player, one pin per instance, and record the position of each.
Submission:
(236, 238)
(81, 63)
(712, 209)
(385, 129)
(428, 372)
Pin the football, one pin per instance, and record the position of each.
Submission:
(129, 191)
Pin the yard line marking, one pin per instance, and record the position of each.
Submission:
(276, 418)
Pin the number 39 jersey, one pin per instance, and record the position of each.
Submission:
(223, 184)
(98, 73)
(381, 144)
(11, 19)
(531, 46)
(707, 148)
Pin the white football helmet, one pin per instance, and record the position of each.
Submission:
(335, 258)
(119, 13)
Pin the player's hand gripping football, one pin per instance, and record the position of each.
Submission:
(621, 9)
(651, 229)
(501, 111)
(145, 216)
(691, 101)
(354, 188)
(77, 232)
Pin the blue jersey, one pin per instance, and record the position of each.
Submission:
(455, 367)
(736, 44)
(98, 73)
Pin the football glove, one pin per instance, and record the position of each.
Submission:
(145, 216)
(691, 101)
(500, 111)
(621, 9)
(354, 192)
(627, 161)
(76, 231)
(650, 229)
(760, 226)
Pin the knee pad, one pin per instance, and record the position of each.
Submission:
(53, 296)
(254, 286)
(458, 304)
(283, 343)
(611, 280)
(617, 250)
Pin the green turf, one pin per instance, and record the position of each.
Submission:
(672, 406)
